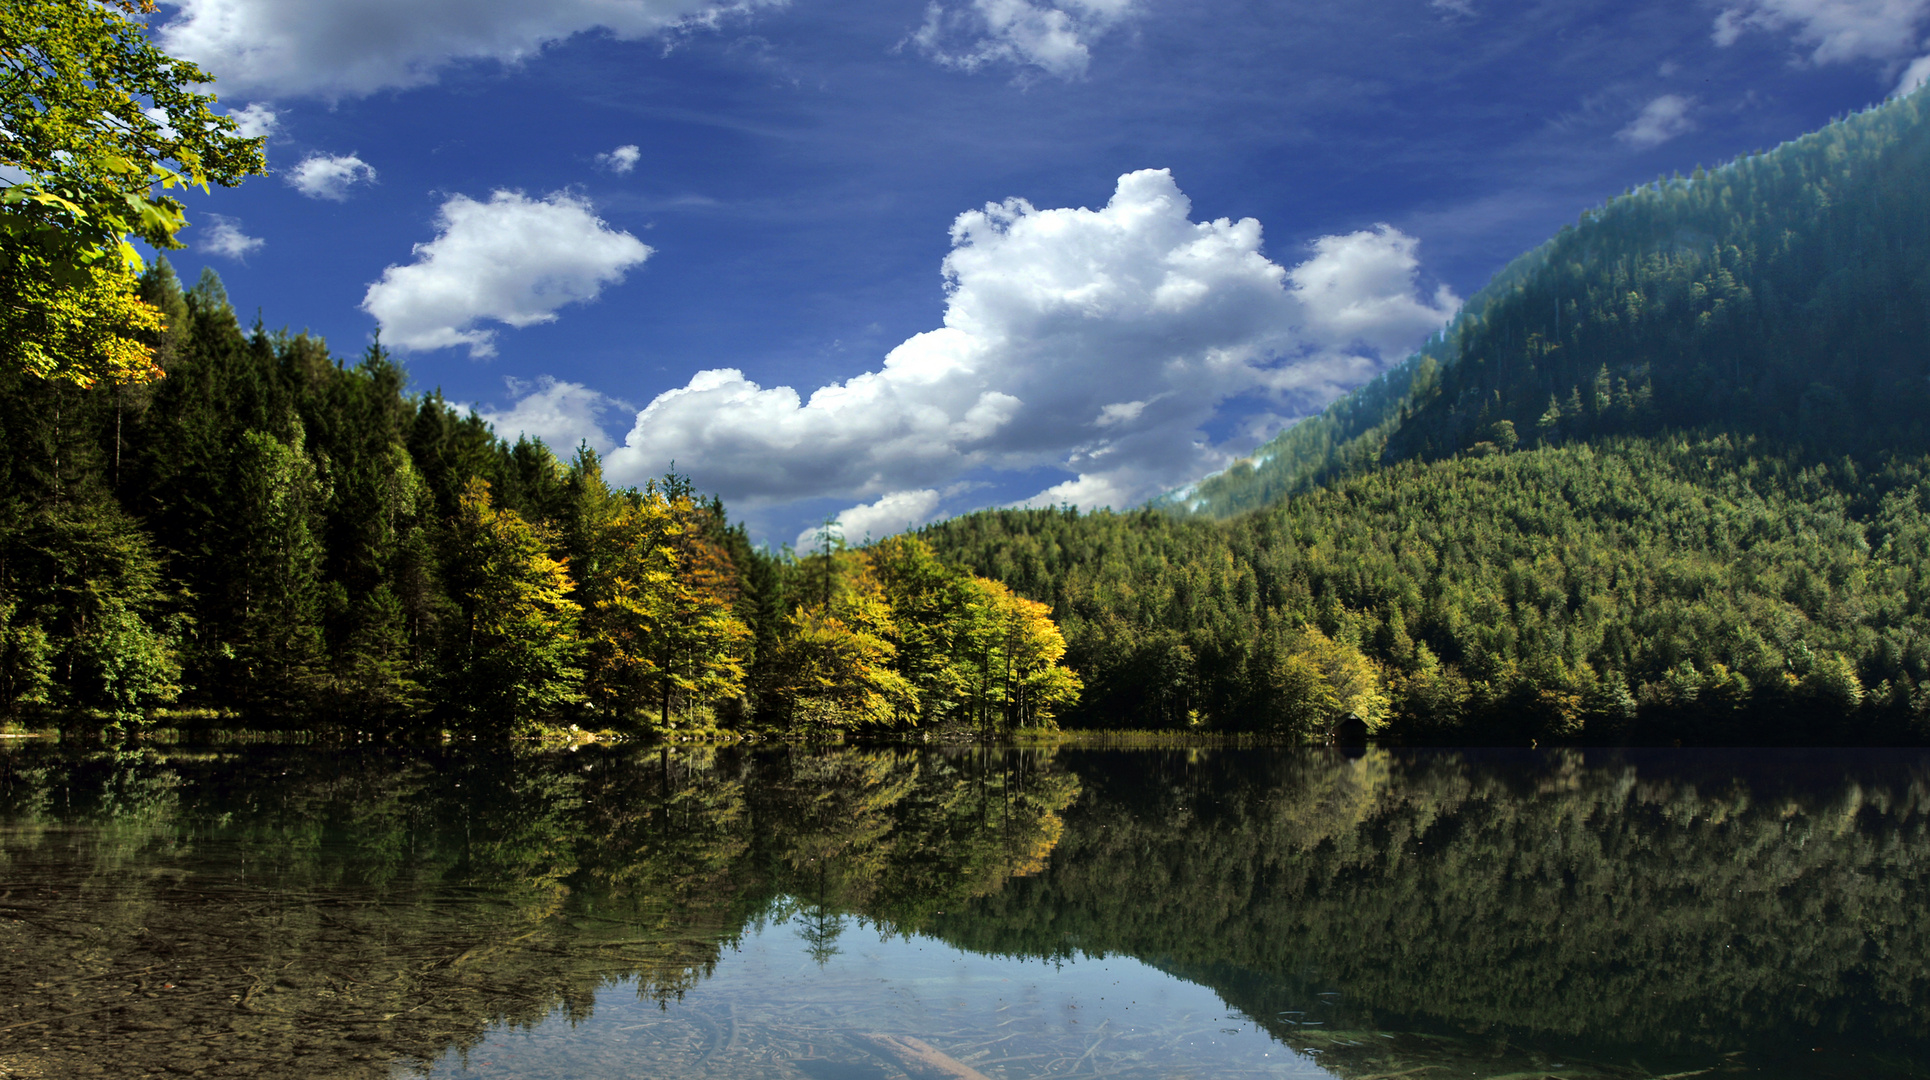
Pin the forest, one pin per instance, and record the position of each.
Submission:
(1664, 479)
(270, 537)
(206, 526)
(1785, 294)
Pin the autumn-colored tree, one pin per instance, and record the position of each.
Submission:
(659, 625)
(82, 327)
(625, 566)
(833, 670)
(1308, 682)
(517, 657)
(1009, 649)
(1036, 687)
(973, 650)
(705, 645)
(930, 615)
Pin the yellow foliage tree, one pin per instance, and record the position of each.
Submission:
(1023, 684)
(519, 653)
(1309, 683)
(659, 621)
(85, 327)
(833, 668)
(706, 646)
(628, 594)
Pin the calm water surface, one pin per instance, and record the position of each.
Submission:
(893, 914)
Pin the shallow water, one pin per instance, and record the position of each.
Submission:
(778, 1007)
(907, 914)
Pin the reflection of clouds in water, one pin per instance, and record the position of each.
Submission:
(771, 1009)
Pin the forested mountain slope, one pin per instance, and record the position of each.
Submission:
(1643, 589)
(1785, 294)
(1667, 478)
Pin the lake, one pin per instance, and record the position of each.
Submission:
(892, 913)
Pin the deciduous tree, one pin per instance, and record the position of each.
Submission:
(518, 655)
(93, 119)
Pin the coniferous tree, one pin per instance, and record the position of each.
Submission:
(271, 601)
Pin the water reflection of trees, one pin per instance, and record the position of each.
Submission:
(1612, 901)
(247, 912)
(325, 914)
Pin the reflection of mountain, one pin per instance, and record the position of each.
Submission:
(241, 914)
(325, 915)
(1609, 901)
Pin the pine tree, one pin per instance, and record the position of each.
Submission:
(272, 607)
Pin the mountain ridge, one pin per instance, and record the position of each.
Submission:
(1732, 251)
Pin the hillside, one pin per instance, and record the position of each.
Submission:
(1645, 589)
(1664, 479)
(1785, 294)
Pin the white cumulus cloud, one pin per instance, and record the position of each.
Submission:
(1659, 121)
(345, 48)
(329, 176)
(1914, 76)
(1833, 31)
(1055, 36)
(256, 121)
(562, 414)
(896, 512)
(621, 160)
(224, 237)
(513, 260)
(1094, 341)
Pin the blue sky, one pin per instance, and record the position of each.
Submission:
(892, 260)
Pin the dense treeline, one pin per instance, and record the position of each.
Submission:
(269, 532)
(1663, 479)
(1707, 589)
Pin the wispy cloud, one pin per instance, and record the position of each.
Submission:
(1055, 36)
(348, 48)
(1914, 76)
(1659, 121)
(1834, 31)
(330, 176)
(225, 238)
